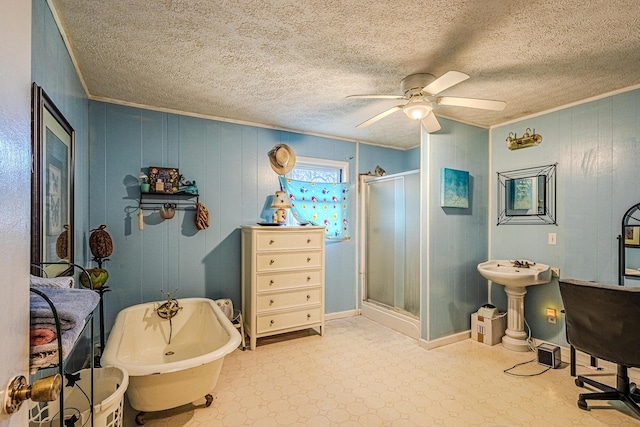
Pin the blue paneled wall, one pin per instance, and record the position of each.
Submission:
(454, 239)
(230, 165)
(596, 147)
(51, 68)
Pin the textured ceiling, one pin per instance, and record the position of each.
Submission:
(290, 63)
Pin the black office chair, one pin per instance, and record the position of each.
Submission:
(603, 321)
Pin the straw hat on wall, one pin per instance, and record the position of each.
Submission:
(282, 159)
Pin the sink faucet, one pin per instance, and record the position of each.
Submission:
(522, 263)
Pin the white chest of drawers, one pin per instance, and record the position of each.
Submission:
(282, 280)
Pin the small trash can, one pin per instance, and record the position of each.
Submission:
(109, 386)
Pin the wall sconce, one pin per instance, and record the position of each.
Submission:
(526, 140)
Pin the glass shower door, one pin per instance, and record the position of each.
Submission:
(392, 243)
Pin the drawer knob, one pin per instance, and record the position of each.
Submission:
(308, 297)
(308, 259)
(271, 302)
(308, 240)
(270, 282)
(308, 316)
(272, 322)
(308, 278)
(271, 262)
(271, 242)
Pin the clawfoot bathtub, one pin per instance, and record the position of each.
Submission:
(170, 362)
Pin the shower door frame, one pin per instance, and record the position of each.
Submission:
(378, 312)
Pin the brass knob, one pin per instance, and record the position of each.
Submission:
(308, 316)
(308, 240)
(272, 322)
(308, 297)
(308, 278)
(271, 242)
(42, 390)
(271, 302)
(270, 282)
(271, 262)
(308, 259)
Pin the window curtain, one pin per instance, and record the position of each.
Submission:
(319, 203)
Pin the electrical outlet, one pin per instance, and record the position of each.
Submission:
(552, 238)
(555, 272)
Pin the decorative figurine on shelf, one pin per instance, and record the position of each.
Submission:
(189, 187)
(101, 247)
(144, 183)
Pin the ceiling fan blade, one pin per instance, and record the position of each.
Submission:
(445, 81)
(485, 104)
(431, 123)
(380, 116)
(378, 96)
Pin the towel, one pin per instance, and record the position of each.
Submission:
(72, 305)
(54, 282)
(42, 360)
(45, 355)
(68, 340)
(41, 336)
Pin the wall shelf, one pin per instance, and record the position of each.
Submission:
(182, 201)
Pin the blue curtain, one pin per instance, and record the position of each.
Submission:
(319, 203)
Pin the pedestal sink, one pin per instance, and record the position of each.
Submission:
(515, 276)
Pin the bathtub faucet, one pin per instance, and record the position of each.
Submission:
(169, 309)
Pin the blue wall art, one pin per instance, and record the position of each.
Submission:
(454, 188)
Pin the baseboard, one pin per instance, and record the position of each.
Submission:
(440, 342)
(390, 319)
(340, 315)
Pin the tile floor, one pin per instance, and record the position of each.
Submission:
(363, 374)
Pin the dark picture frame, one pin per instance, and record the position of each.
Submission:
(163, 180)
(52, 185)
(527, 196)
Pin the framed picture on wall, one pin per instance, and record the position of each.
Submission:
(52, 204)
(454, 188)
(163, 180)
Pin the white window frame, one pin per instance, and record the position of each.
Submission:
(324, 163)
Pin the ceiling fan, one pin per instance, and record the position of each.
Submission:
(421, 90)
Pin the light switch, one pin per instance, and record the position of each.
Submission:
(552, 238)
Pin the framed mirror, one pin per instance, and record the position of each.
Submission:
(629, 246)
(52, 189)
(527, 196)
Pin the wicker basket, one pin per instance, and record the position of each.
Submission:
(110, 384)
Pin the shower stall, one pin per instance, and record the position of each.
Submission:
(390, 259)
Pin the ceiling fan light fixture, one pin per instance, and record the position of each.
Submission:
(417, 110)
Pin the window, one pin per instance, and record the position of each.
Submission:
(319, 170)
